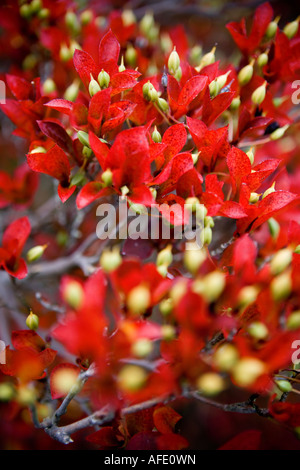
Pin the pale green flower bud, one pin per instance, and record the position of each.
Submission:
(173, 62)
(274, 227)
(259, 94)
(110, 260)
(84, 138)
(103, 79)
(32, 321)
(245, 74)
(281, 260)
(291, 29)
(278, 133)
(262, 59)
(156, 135)
(94, 87)
(72, 91)
(35, 253)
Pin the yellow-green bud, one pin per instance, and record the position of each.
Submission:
(110, 260)
(262, 59)
(7, 391)
(86, 152)
(35, 6)
(38, 150)
(235, 104)
(65, 53)
(72, 22)
(139, 299)
(259, 94)
(86, 17)
(281, 286)
(122, 66)
(195, 156)
(254, 197)
(194, 258)
(163, 270)
(142, 347)
(247, 370)
(44, 13)
(247, 295)
(166, 307)
(83, 137)
(222, 79)
(94, 87)
(214, 284)
(284, 385)
(78, 179)
(250, 155)
(245, 74)
(49, 86)
(178, 74)
(132, 378)
(173, 62)
(146, 90)
(165, 256)
(207, 59)
(72, 91)
(125, 190)
(32, 321)
(194, 204)
(293, 321)
(147, 23)
(210, 384)
(168, 332)
(153, 94)
(103, 79)
(269, 191)
(290, 30)
(25, 11)
(258, 330)
(107, 177)
(209, 221)
(165, 42)
(278, 133)
(156, 135)
(274, 227)
(35, 253)
(281, 260)
(225, 357)
(207, 235)
(131, 55)
(163, 105)
(73, 294)
(128, 17)
(297, 250)
(272, 29)
(195, 54)
(213, 88)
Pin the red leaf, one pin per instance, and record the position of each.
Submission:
(21, 88)
(175, 139)
(109, 48)
(247, 440)
(85, 66)
(99, 105)
(15, 236)
(100, 149)
(63, 106)
(58, 134)
(54, 163)
(171, 441)
(213, 108)
(165, 419)
(90, 192)
(27, 339)
(239, 165)
(105, 438)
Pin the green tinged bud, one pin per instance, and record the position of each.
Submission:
(293, 321)
(142, 347)
(38, 150)
(214, 88)
(65, 53)
(73, 294)
(32, 321)
(166, 307)
(291, 29)
(110, 260)
(245, 74)
(254, 197)
(72, 91)
(178, 74)
(107, 177)
(72, 22)
(173, 62)
(7, 391)
(156, 136)
(274, 227)
(278, 133)
(78, 179)
(131, 56)
(163, 105)
(103, 79)
(235, 104)
(222, 79)
(122, 66)
(262, 59)
(49, 86)
(128, 17)
(165, 256)
(281, 260)
(86, 17)
(207, 235)
(25, 11)
(44, 13)
(272, 29)
(281, 286)
(168, 332)
(297, 250)
(284, 385)
(87, 152)
(207, 59)
(147, 23)
(194, 258)
(35, 6)
(195, 54)
(269, 191)
(94, 87)
(259, 94)
(213, 285)
(139, 299)
(258, 330)
(250, 154)
(35, 253)
(84, 138)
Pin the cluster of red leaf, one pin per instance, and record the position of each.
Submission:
(124, 115)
